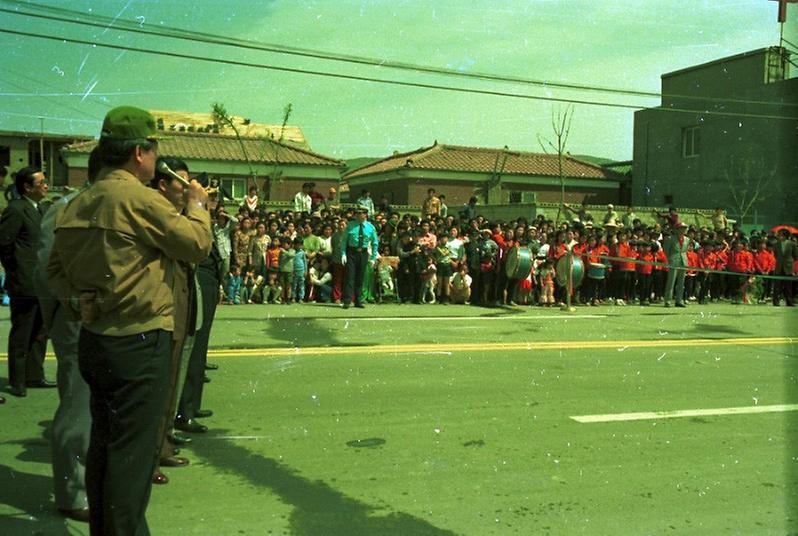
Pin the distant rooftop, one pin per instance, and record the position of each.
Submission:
(484, 160)
(203, 123)
(727, 59)
(209, 146)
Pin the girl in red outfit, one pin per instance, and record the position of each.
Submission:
(741, 261)
(626, 269)
(707, 259)
(721, 285)
(764, 264)
(660, 275)
(644, 272)
(690, 276)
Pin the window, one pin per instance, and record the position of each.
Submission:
(235, 187)
(691, 142)
(515, 197)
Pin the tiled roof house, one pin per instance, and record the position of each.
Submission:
(234, 161)
(497, 176)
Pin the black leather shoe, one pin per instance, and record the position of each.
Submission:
(360, 306)
(159, 478)
(179, 439)
(18, 391)
(41, 384)
(345, 305)
(211, 366)
(202, 413)
(191, 426)
(78, 514)
(206, 379)
(173, 461)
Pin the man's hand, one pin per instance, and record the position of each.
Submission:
(88, 311)
(195, 193)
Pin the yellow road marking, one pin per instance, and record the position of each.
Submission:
(471, 347)
(468, 347)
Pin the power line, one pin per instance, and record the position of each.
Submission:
(51, 118)
(379, 80)
(61, 104)
(207, 38)
(178, 33)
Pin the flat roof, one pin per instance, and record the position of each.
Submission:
(722, 60)
(45, 135)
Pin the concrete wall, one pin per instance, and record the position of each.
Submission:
(738, 153)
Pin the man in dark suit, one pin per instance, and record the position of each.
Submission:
(19, 243)
(786, 252)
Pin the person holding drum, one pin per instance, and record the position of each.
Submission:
(596, 271)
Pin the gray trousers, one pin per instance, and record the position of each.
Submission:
(72, 420)
(675, 278)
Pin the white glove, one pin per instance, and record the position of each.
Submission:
(343, 260)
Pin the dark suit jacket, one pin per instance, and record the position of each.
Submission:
(785, 258)
(19, 244)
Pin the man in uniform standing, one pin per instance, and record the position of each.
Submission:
(358, 236)
(113, 265)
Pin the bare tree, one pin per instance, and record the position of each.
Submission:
(271, 146)
(749, 181)
(223, 119)
(561, 125)
(276, 173)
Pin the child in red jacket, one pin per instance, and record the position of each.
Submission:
(764, 264)
(741, 262)
(644, 272)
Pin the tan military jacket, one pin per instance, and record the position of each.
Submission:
(122, 240)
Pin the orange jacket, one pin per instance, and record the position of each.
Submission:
(741, 261)
(626, 251)
(764, 261)
(645, 269)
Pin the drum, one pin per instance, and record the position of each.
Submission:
(578, 270)
(518, 263)
(596, 270)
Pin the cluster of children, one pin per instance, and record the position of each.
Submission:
(285, 257)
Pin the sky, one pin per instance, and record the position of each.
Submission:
(624, 44)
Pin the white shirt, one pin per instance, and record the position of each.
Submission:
(302, 202)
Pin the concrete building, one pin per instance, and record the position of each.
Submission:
(495, 176)
(725, 135)
(22, 149)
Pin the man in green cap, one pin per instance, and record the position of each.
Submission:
(112, 267)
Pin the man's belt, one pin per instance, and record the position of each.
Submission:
(356, 249)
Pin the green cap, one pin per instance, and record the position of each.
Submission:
(129, 123)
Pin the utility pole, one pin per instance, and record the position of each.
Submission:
(41, 148)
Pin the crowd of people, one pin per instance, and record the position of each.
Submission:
(295, 256)
(124, 277)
